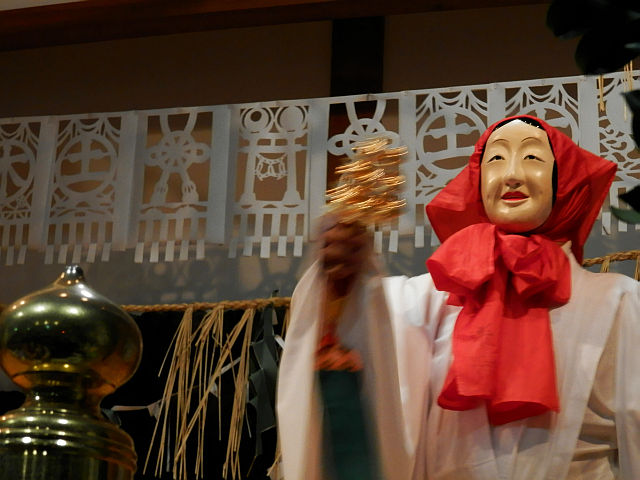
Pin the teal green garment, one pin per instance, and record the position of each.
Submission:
(350, 455)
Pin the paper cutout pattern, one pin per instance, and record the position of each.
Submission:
(165, 183)
(172, 209)
(86, 185)
(18, 150)
(272, 166)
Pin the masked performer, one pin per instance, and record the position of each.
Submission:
(506, 361)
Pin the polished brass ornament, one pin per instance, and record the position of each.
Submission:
(67, 347)
(369, 185)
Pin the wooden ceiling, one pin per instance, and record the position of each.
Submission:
(96, 20)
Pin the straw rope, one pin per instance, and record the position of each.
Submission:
(261, 303)
(255, 304)
(605, 261)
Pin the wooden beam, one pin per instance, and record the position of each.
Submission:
(357, 55)
(96, 20)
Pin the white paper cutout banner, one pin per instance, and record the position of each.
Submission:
(165, 183)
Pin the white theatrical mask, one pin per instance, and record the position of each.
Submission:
(516, 177)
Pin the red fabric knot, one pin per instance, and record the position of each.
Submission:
(330, 355)
(485, 276)
(502, 344)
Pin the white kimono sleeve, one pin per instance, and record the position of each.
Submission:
(628, 387)
(391, 322)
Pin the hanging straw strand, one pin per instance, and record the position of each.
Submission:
(225, 352)
(601, 93)
(203, 365)
(232, 461)
(183, 332)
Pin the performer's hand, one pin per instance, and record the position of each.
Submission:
(345, 249)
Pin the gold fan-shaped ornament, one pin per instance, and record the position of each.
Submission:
(370, 184)
(368, 193)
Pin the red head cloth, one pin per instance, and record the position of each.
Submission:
(506, 283)
(583, 183)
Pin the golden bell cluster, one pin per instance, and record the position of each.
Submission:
(369, 186)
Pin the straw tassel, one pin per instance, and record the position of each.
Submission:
(180, 361)
(232, 462)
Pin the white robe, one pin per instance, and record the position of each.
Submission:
(402, 327)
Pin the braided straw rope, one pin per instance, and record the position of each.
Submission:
(261, 303)
(256, 304)
(606, 260)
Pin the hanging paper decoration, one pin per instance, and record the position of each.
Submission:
(166, 183)
(18, 157)
(271, 156)
(89, 184)
(447, 125)
(173, 201)
(614, 141)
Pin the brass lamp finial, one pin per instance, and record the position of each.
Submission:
(67, 346)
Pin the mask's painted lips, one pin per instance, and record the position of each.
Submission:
(514, 196)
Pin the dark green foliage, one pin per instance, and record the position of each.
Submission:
(608, 47)
(632, 197)
(571, 18)
(627, 216)
(633, 100)
(610, 32)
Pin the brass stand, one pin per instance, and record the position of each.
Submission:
(68, 347)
